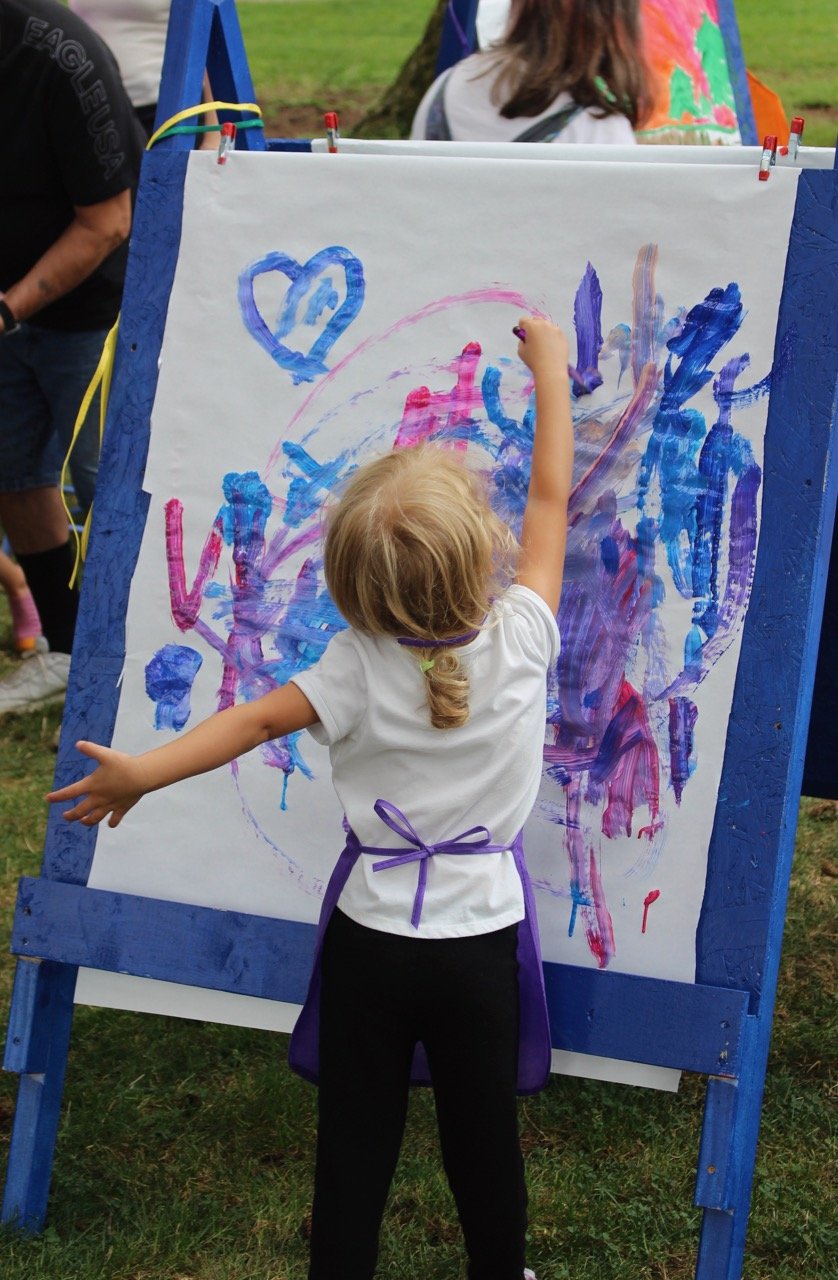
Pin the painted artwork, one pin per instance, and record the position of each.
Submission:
(685, 48)
(332, 328)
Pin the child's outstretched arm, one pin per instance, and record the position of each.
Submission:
(121, 779)
(544, 528)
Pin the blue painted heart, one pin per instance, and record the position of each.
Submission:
(311, 283)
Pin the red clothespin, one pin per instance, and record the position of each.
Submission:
(769, 155)
(332, 131)
(226, 142)
(795, 135)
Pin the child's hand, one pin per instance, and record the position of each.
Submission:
(113, 788)
(545, 349)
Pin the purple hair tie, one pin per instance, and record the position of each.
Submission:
(410, 642)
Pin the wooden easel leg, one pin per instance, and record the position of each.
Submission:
(726, 1159)
(40, 1021)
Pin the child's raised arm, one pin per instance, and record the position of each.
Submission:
(544, 528)
(121, 779)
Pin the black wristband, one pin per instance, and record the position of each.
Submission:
(9, 321)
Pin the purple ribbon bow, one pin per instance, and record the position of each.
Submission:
(421, 852)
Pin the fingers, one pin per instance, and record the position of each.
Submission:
(90, 813)
(544, 344)
(83, 786)
(68, 793)
(93, 750)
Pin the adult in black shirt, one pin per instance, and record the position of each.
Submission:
(70, 165)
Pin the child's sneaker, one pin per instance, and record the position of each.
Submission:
(529, 1275)
(26, 625)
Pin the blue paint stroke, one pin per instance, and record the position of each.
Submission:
(326, 296)
(304, 366)
(169, 676)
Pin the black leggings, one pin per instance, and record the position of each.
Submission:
(381, 994)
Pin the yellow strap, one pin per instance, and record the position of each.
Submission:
(104, 369)
(201, 109)
(102, 377)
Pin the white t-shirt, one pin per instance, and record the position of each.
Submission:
(370, 696)
(135, 31)
(473, 116)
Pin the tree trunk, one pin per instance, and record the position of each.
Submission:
(392, 115)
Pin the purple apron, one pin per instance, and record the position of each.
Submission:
(534, 1033)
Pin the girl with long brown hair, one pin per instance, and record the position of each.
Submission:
(565, 70)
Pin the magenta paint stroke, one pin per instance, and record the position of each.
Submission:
(664, 505)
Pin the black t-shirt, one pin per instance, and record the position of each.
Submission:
(71, 138)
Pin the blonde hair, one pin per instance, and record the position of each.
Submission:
(414, 550)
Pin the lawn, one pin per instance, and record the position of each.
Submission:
(184, 1150)
(311, 56)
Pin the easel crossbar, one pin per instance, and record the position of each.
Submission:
(615, 1015)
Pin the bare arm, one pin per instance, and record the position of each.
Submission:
(121, 779)
(95, 231)
(544, 528)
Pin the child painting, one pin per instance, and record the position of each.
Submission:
(432, 704)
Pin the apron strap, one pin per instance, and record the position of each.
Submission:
(475, 840)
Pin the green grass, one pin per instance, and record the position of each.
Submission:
(326, 55)
(338, 54)
(185, 1148)
(791, 45)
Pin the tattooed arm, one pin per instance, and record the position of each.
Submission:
(95, 231)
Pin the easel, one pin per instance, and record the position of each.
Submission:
(720, 1026)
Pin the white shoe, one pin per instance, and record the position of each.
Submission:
(529, 1275)
(40, 680)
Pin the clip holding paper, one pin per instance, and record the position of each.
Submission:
(769, 156)
(795, 135)
(226, 142)
(332, 131)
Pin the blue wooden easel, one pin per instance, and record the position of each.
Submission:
(718, 1026)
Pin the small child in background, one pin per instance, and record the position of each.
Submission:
(433, 705)
(26, 625)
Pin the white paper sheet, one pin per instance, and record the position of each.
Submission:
(451, 255)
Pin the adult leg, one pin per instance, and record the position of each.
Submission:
(471, 1039)
(64, 364)
(366, 1048)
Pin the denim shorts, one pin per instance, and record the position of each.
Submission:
(44, 374)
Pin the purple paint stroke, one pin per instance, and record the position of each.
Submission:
(682, 717)
(587, 321)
